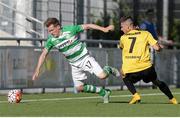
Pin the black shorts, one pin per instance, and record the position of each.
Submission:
(146, 75)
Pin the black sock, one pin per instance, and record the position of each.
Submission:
(130, 86)
(164, 88)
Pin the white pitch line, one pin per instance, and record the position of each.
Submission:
(82, 98)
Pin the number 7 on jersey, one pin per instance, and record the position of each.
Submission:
(132, 44)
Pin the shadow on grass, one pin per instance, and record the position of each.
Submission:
(118, 102)
(127, 102)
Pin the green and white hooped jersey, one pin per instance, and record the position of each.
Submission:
(68, 43)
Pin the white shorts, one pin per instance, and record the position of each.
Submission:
(86, 64)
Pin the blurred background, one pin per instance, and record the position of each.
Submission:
(22, 36)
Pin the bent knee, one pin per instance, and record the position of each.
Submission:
(102, 75)
(159, 83)
(79, 88)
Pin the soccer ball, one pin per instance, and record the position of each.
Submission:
(14, 96)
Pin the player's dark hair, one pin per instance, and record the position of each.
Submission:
(130, 19)
(125, 18)
(51, 21)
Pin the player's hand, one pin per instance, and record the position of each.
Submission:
(122, 74)
(161, 46)
(109, 28)
(35, 75)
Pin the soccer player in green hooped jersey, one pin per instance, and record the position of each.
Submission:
(65, 39)
(136, 64)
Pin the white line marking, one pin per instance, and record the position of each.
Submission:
(82, 98)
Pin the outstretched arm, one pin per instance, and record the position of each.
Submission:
(40, 62)
(157, 47)
(97, 27)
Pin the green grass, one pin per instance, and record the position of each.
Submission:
(54, 104)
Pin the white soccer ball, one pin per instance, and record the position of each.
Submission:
(14, 96)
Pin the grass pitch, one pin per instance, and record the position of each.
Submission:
(153, 103)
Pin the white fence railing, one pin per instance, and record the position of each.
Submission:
(27, 18)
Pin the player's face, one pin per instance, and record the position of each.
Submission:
(126, 27)
(54, 30)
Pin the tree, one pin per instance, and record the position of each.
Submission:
(121, 8)
(175, 33)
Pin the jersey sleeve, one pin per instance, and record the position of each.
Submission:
(121, 43)
(48, 44)
(74, 28)
(151, 40)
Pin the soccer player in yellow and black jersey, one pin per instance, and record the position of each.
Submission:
(136, 64)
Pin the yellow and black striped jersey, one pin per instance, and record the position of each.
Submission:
(135, 50)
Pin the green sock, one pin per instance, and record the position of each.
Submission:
(91, 89)
(94, 89)
(102, 92)
(107, 70)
